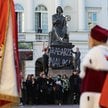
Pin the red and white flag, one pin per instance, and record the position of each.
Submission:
(104, 94)
(9, 61)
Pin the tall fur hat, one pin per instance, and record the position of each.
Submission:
(100, 34)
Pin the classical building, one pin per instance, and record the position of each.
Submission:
(34, 19)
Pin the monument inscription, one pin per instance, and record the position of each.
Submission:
(61, 56)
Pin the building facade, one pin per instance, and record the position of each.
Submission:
(34, 18)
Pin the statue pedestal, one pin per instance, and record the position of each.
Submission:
(55, 72)
(61, 57)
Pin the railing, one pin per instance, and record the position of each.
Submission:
(41, 37)
(32, 36)
(21, 36)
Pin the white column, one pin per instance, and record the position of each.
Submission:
(57, 3)
(104, 13)
(29, 15)
(81, 15)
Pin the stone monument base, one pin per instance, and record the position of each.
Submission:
(55, 72)
(61, 56)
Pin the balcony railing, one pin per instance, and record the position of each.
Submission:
(21, 36)
(41, 37)
(32, 36)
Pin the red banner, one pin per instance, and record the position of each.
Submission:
(104, 95)
(9, 57)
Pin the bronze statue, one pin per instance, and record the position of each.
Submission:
(59, 27)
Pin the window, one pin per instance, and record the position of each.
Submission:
(41, 19)
(25, 50)
(20, 17)
(93, 16)
(92, 19)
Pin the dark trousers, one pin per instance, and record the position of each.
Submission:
(46, 71)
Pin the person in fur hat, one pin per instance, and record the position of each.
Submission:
(94, 70)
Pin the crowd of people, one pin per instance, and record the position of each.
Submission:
(43, 89)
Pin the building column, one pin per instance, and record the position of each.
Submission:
(57, 3)
(29, 16)
(104, 13)
(81, 15)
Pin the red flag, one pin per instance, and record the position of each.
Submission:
(9, 61)
(104, 94)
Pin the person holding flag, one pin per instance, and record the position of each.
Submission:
(9, 59)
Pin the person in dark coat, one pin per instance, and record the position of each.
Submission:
(33, 90)
(58, 90)
(28, 89)
(46, 61)
(77, 60)
(42, 88)
(74, 81)
(65, 84)
(50, 91)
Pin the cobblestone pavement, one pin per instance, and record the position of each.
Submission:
(49, 106)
